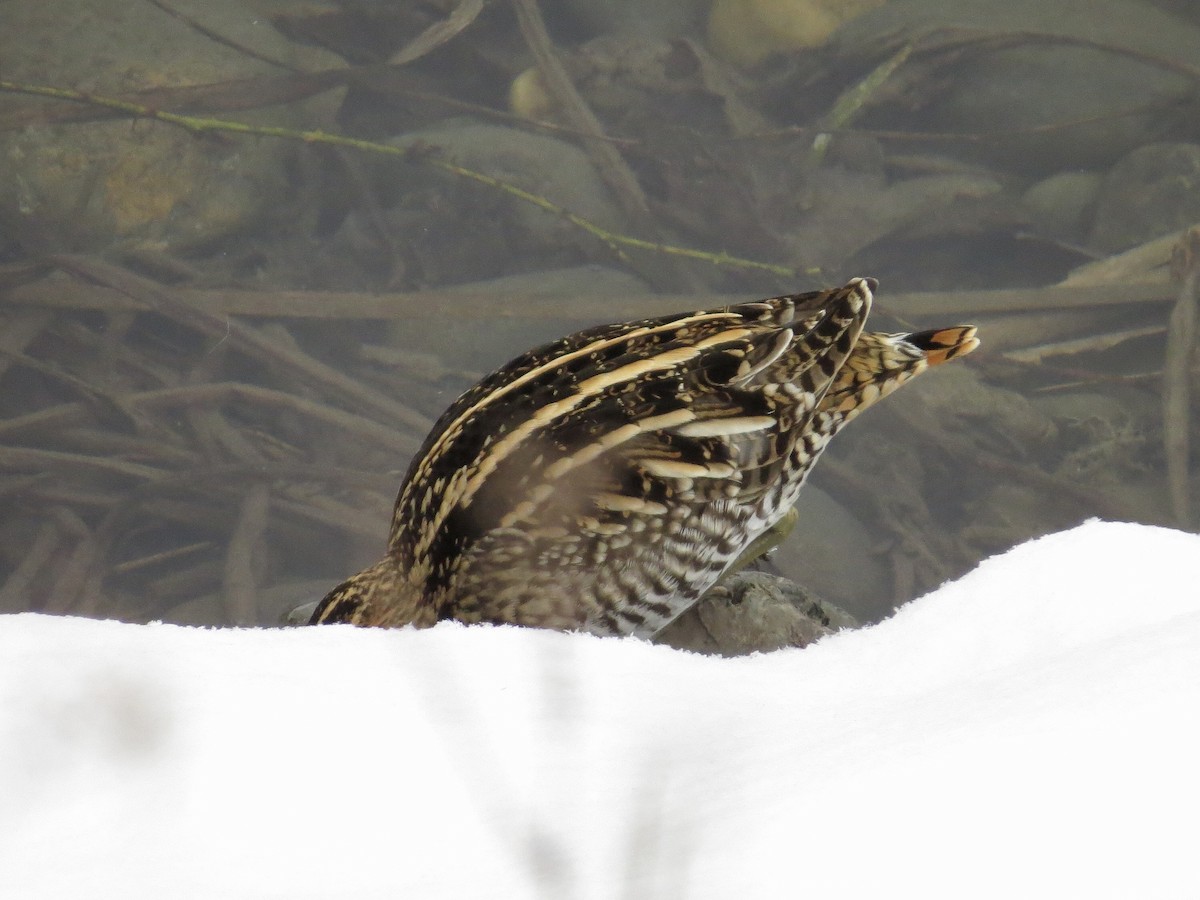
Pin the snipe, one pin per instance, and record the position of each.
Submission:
(605, 481)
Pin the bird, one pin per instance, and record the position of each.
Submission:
(604, 482)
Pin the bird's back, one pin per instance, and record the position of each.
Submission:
(605, 481)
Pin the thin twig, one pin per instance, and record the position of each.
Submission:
(609, 163)
(15, 594)
(242, 336)
(611, 166)
(19, 332)
(439, 32)
(851, 102)
(73, 574)
(40, 460)
(201, 125)
(218, 38)
(157, 559)
(1093, 343)
(245, 544)
(1148, 262)
(472, 305)
(1176, 386)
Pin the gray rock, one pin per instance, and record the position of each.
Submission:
(1061, 206)
(1035, 83)
(1153, 191)
(102, 183)
(545, 166)
(658, 18)
(754, 612)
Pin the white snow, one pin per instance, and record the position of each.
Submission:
(1032, 730)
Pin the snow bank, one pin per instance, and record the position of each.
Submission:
(1031, 730)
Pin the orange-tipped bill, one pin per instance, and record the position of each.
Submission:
(944, 344)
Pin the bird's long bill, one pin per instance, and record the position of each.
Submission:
(944, 344)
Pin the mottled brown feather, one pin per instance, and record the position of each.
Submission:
(605, 481)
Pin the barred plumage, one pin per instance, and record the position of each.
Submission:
(605, 481)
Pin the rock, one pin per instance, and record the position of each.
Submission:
(753, 612)
(98, 183)
(653, 18)
(1062, 205)
(748, 31)
(848, 212)
(449, 229)
(546, 166)
(1153, 191)
(1010, 93)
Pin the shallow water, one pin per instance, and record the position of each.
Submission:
(210, 425)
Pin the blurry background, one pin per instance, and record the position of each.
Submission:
(218, 351)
